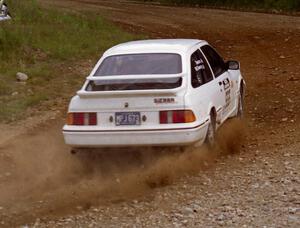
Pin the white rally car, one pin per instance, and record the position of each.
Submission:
(155, 92)
(4, 12)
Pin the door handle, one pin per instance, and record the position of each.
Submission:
(220, 83)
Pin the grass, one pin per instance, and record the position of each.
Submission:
(285, 5)
(49, 45)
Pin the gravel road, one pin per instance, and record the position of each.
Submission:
(251, 180)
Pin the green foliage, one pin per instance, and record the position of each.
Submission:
(287, 5)
(14, 107)
(58, 34)
(44, 43)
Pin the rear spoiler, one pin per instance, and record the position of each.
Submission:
(144, 76)
(168, 92)
(84, 94)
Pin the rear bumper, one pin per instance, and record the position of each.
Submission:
(85, 139)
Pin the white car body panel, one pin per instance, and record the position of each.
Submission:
(136, 138)
(4, 18)
(4, 14)
(200, 100)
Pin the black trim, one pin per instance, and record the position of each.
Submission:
(143, 130)
(134, 84)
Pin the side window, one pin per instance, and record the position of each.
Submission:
(200, 72)
(215, 60)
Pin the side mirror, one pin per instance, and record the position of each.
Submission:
(233, 65)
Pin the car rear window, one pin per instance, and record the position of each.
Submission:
(134, 84)
(138, 64)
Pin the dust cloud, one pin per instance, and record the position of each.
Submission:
(46, 180)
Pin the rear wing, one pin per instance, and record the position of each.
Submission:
(117, 78)
(143, 76)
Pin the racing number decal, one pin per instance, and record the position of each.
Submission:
(199, 65)
(226, 84)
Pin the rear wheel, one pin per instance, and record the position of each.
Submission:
(211, 131)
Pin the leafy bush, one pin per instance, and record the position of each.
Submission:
(290, 5)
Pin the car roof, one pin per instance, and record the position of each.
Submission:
(157, 45)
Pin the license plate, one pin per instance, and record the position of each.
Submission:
(128, 118)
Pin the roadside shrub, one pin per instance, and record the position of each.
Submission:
(287, 5)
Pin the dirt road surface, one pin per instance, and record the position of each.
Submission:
(251, 180)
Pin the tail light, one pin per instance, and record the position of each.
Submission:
(176, 116)
(80, 118)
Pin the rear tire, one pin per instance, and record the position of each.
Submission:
(211, 131)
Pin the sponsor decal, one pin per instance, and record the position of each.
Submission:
(227, 85)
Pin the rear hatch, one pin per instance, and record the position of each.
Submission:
(129, 91)
(128, 103)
